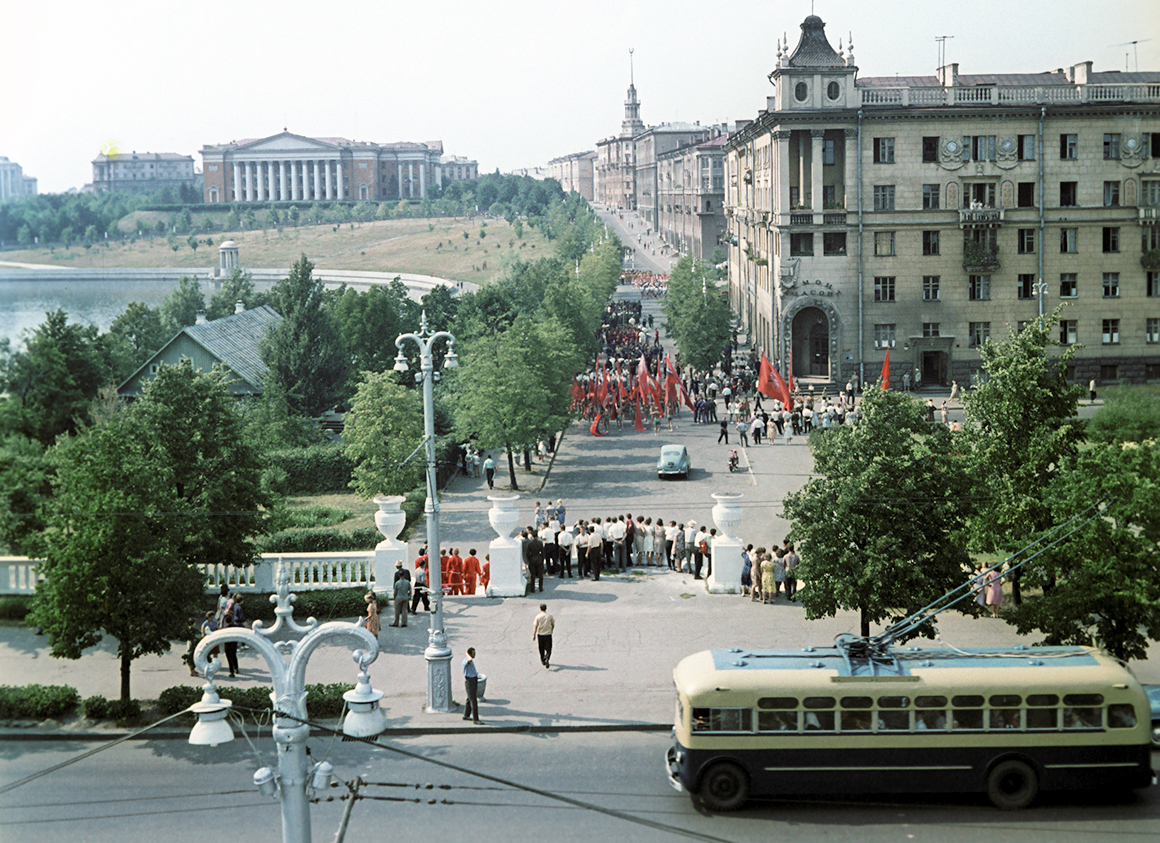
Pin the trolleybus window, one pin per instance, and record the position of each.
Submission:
(1042, 711)
(722, 720)
(782, 717)
(893, 721)
(932, 714)
(818, 720)
(1083, 711)
(968, 712)
(1121, 716)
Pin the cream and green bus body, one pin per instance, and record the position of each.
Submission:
(1007, 722)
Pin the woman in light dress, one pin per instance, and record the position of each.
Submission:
(767, 578)
(372, 624)
(679, 549)
(994, 591)
(649, 542)
(659, 543)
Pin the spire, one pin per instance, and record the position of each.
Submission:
(632, 125)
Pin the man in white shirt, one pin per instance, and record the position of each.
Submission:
(548, 537)
(616, 531)
(581, 544)
(698, 553)
(670, 537)
(565, 539)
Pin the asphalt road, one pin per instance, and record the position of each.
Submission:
(498, 787)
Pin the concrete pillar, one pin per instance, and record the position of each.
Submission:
(783, 171)
(507, 564)
(270, 176)
(249, 166)
(329, 185)
(338, 178)
(726, 548)
(282, 194)
(317, 180)
(422, 179)
(816, 158)
(237, 183)
(400, 167)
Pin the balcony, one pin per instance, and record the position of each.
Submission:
(980, 217)
(1149, 215)
(980, 259)
(801, 219)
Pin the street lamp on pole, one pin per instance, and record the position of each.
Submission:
(438, 652)
(296, 779)
(1040, 292)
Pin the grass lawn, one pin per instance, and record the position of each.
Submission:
(431, 247)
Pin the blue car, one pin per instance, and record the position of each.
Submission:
(1153, 692)
(674, 459)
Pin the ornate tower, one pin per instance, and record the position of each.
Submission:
(632, 125)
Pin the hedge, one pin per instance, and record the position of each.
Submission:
(99, 708)
(37, 702)
(319, 540)
(322, 701)
(324, 604)
(15, 607)
(313, 470)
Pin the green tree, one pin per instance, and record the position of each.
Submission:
(518, 228)
(1103, 582)
(304, 352)
(185, 219)
(251, 219)
(369, 323)
(139, 502)
(181, 306)
(381, 430)
(193, 242)
(142, 328)
(697, 314)
(67, 236)
(232, 221)
(508, 412)
(880, 530)
(238, 287)
(274, 217)
(24, 487)
(24, 236)
(1129, 414)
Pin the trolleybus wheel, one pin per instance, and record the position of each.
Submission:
(724, 787)
(1012, 785)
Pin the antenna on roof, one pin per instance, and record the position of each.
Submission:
(1135, 51)
(942, 48)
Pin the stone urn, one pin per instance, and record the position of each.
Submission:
(503, 515)
(390, 519)
(727, 514)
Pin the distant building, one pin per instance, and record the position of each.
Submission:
(690, 196)
(142, 172)
(615, 174)
(292, 168)
(13, 183)
(231, 341)
(575, 173)
(923, 216)
(649, 145)
(458, 168)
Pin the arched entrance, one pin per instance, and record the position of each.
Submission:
(811, 343)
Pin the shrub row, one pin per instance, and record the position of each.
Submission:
(319, 540)
(100, 708)
(313, 470)
(322, 701)
(324, 604)
(36, 702)
(15, 607)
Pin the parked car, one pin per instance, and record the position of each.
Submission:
(1153, 692)
(674, 459)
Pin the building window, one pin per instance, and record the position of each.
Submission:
(1112, 147)
(979, 287)
(1111, 285)
(930, 197)
(929, 150)
(883, 197)
(1026, 285)
(1025, 241)
(1152, 329)
(930, 243)
(884, 288)
(883, 336)
(1152, 284)
(1027, 147)
(930, 287)
(930, 329)
(979, 148)
(1109, 373)
(884, 244)
(1111, 194)
(829, 150)
(1111, 238)
(801, 245)
(979, 195)
(1068, 147)
(1068, 194)
(1026, 198)
(1068, 285)
(1068, 240)
(979, 333)
(1150, 238)
(1150, 189)
(833, 90)
(829, 196)
(883, 150)
(1067, 331)
(801, 91)
(1111, 333)
(795, 194)
(834, 243)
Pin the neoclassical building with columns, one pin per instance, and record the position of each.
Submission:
(922, 215)
(292, 168)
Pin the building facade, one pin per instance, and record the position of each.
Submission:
(615, 173)
(142, 172)
(649, 146)
(13, 183)
(292, 168)
(575, 173)
(690, 194)
(458, 168)
(924, 215)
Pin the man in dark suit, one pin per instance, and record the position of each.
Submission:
(534, 559)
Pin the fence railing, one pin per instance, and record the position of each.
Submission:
(307, 572)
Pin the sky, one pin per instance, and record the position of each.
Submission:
(510, 83)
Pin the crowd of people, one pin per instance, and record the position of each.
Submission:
(649, 284)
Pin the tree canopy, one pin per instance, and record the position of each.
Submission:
(697, 314)
(382, 429)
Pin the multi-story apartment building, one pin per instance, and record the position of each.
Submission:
(922, 215)
(458, 168)
(690, 196)
(650, 144)
(13, 183)
(615, 173)
(142, 172)
(575, 173)
(288, 167)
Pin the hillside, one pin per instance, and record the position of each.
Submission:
(428, 246)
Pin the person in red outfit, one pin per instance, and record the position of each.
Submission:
(444, 571)
(455, 563)
(471, 572)
(485, 573)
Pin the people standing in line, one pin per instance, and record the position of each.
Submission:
(401, 594)
(792, 560)
(534, 559)
(768, 578)
(489, 471)
(485, 576)
(778, 570)
(581, 542)
(638, 541)
(471, 685)
(595, 555)
(542, 628)
(679, 549)
(455, 572)
(471, 572)
(560, 512)
(659, 542)
(670, 540)
(548, 537)
(371, 621)
(617, 533)
(649, 543)
(565, 540)
(747, 571)
(700, 551)
(422, 588)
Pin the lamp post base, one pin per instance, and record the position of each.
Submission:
(438, 679)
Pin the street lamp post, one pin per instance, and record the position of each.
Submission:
(296, 778)
(438, 652)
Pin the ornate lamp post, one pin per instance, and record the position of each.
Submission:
(438, 653)
(296, 779)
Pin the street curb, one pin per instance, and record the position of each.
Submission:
(411, 731)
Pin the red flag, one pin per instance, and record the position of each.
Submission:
(674, 382)
(638, 425)
(619, 392)
(602, 388)
(770, 383)
(885, 377)
(576, 393)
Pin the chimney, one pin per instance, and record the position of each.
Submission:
(948, 75)
(1081, 72)
(240, 306)
(201, 320)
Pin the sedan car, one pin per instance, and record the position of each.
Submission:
(674, 459)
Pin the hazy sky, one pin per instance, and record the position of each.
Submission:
(510, 83)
